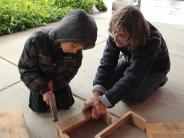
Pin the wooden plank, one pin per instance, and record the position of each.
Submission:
(163, 130)
(111, 128)
(12, 124)
(167, 135)
(138, 121)
(107, 118)
(165, 127)
(74, 122)
(129, 117)
(63, 135)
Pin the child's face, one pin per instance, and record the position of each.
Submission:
(71, 47)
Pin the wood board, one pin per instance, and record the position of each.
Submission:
(165, 130)
(12, 124)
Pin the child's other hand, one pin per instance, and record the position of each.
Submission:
(98, 109)
(48, 93)
(88, 104)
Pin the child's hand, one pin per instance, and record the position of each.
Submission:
(89, 103)
(98, 109)
(46, 96)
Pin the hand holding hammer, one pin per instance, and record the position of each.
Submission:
(49, 98)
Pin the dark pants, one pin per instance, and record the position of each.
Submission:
(64, 100)
(147, 87)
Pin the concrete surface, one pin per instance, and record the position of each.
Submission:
(166, 105)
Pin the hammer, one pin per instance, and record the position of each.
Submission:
(52, 102)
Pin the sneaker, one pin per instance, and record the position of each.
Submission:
(163, 82)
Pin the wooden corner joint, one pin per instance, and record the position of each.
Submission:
(76, 121)
(129, 117)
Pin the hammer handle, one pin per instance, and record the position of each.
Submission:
(52, 102)
(53, 108)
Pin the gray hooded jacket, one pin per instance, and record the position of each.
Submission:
(42, 60)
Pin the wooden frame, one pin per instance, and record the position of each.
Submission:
(153, 130)
(74, 122)
(129, 117)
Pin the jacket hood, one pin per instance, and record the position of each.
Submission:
(76, 26)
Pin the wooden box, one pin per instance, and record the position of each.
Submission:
(70, 127)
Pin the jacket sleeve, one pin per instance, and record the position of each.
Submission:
(28, 68)
(140, 64)
(107, 64)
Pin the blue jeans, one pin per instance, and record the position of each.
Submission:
(148, 86)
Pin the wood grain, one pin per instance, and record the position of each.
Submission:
(12, 124)
(165, 130)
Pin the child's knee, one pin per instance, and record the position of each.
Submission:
(38, 108)
(37, 104)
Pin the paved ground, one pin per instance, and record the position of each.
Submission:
(166, 105)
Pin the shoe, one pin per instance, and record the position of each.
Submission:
(163, 82)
